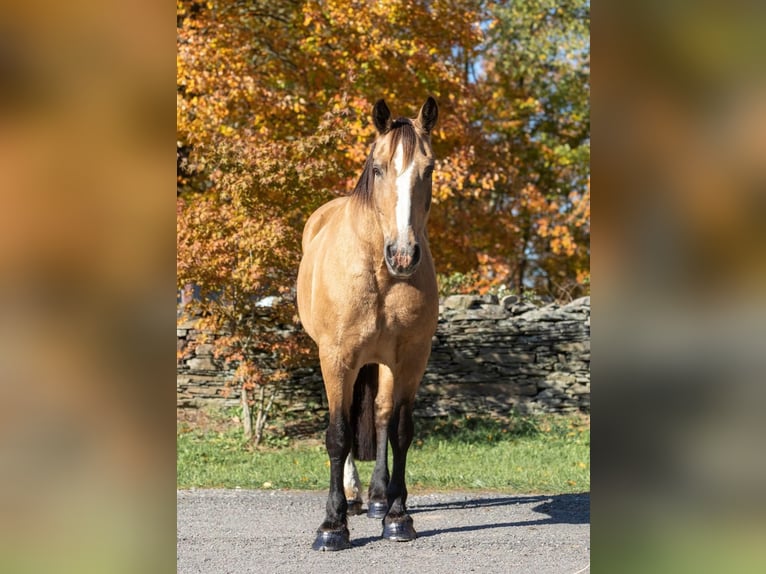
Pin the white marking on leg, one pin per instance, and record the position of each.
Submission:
(403, 196)
(351, 483)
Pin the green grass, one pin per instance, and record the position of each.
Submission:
(545, 454)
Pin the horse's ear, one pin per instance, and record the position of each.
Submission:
(428, 115)
(381, 117)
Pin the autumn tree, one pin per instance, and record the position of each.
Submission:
(537, 100)
(273, 119)
(243, 188)
(521, 187)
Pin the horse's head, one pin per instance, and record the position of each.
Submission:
(399, 185)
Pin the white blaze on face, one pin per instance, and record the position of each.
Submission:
(403, 195)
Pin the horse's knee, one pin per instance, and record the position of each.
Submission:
(338, 437)
(382, 415)
(402, 426)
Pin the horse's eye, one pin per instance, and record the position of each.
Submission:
(377, 171)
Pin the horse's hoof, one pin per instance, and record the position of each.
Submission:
(402, 531)
(354, 507)
(376, 509)
(332, 540)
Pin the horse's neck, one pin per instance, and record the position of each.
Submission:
(366, 229)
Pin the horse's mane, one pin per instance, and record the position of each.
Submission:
(402, 131)
(363, 189)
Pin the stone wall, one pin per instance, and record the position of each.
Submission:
(488, 356)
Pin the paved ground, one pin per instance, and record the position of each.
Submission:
(239, 531)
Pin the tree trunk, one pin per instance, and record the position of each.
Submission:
(263, 409)
(247, 415)
(521, 270)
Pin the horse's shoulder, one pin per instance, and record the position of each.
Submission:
(319, 219)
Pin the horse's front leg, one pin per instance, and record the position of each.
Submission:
(333, 532)
(377, 505)
(397, 524)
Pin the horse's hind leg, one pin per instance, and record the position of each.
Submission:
(377, 505)
(352, 486)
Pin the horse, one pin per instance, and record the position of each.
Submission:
(367, 296)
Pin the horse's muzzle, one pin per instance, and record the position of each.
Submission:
(402, 261)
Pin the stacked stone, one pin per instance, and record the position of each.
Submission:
(488, 356)
(493, 355)
(200, 378)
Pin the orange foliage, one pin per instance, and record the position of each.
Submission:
(273, 119)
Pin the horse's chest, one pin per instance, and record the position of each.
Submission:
(394, 319)
(404, 312)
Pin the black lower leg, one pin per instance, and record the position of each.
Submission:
(378, 498)
(333, 532)
(397, 525)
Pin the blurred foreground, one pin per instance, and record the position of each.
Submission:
(679, 309)
(87, 259)
(86, 287)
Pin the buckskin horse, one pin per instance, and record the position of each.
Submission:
(367, 296)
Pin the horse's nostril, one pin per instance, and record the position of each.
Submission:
(416, 254)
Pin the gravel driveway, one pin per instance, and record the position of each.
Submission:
(240, 531)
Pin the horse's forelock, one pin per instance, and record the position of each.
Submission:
(402, 132)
